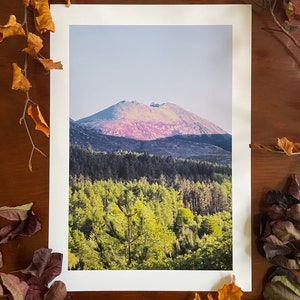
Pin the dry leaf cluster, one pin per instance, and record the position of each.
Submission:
(32, 282)
(39, 10)
(280, 234)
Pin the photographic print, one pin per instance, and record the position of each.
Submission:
(149, 134)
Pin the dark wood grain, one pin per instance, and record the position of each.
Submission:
(275, 113)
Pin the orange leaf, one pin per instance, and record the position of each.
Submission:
(197, 297)
(35, 44)
(42, 16)
(285, 145)
(49, 64)
(20, 82)
(26, 2)
(209, 296)
(11, 28)
(40, 124)
(68, 2)
(230, 292)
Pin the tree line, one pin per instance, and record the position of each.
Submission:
(130, 166)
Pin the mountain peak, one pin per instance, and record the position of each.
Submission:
(139, 121)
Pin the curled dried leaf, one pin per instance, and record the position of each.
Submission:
(35, 44)
(40, 124)
(11, 28)
(230, 291)
(197, 297)
(288, 146)
(49, 64)
(19, 82)
(17, 213)
(42, 16)
(294, 188)
(68, 3)
(57, 291)
(16, 287)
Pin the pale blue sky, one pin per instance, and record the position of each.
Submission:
(187, 65)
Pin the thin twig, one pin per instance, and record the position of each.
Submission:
(272, 7)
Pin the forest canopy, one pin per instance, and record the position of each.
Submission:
(160, 214)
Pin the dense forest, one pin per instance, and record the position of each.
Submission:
(161, 213)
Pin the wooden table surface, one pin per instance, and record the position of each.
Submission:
(275, 113)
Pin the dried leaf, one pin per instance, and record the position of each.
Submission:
(197, 297)
(11, 28)
(39, 262)
(68, 3)
(58, 291)
(42, 16)
(285, 145)
(294, 188)
(285, 230)
(44, 268)
(230, 292)
(40, 124)
(20, 82)
(27, 227)
(17, 213)
(16, 287)
(209, 296)
(49, 64)
(35, 44)
(282, 284)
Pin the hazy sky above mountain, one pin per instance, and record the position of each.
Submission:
(190, 66)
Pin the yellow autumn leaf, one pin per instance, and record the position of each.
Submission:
(289, 9)
(19, 82)
(209, 296)
(287, 146)
(230, 292)
(49, 64)
(68, 3)
(11, 28)
(42, 16)
(35, 44)
(36, 115)
(197, 297)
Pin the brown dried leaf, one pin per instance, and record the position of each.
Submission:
(39, 262)
(230, 292)
(20, 82)
(17, 213)
(36, 115)
(68, 3)
(11, 28)
(42, 15)
(294, 188)
(49, 64)
(285, 145)
(57, 291)
(16, 287)
(35, 44)
(27, 227)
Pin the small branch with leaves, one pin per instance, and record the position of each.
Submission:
(39, 10)
(283, 146)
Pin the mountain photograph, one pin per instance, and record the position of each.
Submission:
(150, 148)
